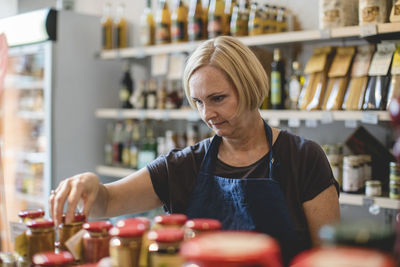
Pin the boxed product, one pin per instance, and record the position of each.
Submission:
(337, 13)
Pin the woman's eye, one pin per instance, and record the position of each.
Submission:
(219, 98)
(197, 102)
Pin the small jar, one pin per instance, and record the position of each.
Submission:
(164, 247)
(125, 245)
(231, 249)
(66, 231)
(351, 178)
(394, 177)
(40, 237)
(169, 221)
(197, 226)
(373, 188)
(53, 259)
(27, 215)
(96, 241)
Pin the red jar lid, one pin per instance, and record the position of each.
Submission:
(231, 248)
(342, 256)
(171, 219)
(130, 230)
(42, 223)
(78, 217)
(52, 258)
(133, 221)
(31, 214)
(98, 226)
(203, 224)
(166, 235)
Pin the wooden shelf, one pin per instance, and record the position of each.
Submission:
(265, 39)
(371, 117)
(116, 172)
(362, 200)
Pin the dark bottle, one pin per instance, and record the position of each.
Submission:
(278, 93)
(117, 143)
(126, 88)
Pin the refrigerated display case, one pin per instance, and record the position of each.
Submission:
(52, 87)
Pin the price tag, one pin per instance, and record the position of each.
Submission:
(159, 65)
(350, 123)
(368, 30)
(311, 123)
(176, 66)
(369, 117)
(325, 33)
(294, 123)
(193, 116)
(327, 117)
(274, 122)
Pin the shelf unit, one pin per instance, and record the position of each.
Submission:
(265, 39)
(116, 172)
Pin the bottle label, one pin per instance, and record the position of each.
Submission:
(178, 31)
(124, 94)
(214, 27)
(163, 34)
(195, 29)
(276, 94)
(145, 34)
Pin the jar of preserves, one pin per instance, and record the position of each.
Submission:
(373, 188)
(53, 259)
(26, 215)
(351, 179)
(96, 241)
(231, 249)
(40, 237)
(394, 177)
(169, 221)
(164, 247)
(197, 226)
(125, 245)
(342, 256)
(65, 231)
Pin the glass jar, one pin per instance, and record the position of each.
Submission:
(394, 177)
(53, 259)
(66, 231)
(40, 237)
(26, 215)
(96, 241)
(125, 245)
(197, 226)
(373, 188)
(169, 221)
(164, 247)
(231, 249)
(351, 179)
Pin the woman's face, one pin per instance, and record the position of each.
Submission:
(216, 99)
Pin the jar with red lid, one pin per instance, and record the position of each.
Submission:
(164, 247)
(143, 258)
(96, 240)
(343, 256)
(40, 237)
(125, 244)
(231, 249)
(53, 259)
(26, 215)
(169, 221)
(66, 231)
(197, 226)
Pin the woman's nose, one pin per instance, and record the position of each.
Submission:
(208, 113)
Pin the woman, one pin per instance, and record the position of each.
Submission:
(288, 192)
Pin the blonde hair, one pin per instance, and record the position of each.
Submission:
(240, 65)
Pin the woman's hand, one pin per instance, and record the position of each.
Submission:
(83, 187)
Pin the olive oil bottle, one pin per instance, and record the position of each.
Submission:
(216, 18)
(179, 22)
(163, 23)
(147, 26)
(121, 27)
(278, 94)
(196, 30)
(255, 20)
(229, 4)
(107, 27)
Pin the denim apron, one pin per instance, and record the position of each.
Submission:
(254, 204)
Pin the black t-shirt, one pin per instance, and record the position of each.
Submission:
(303, 172)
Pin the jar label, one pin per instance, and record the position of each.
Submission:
(166, 260)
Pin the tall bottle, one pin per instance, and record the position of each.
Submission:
(229, 4)
(127, 143)
(277, 81)
(196, 30)
(107, 27)
(126, 88)
(163, 23)
(179, 22)
(255, 20)
(206, 8)
(108, 146)
(121, 27)
(281, 20)
(117, 143)
(148, 149)
(295, 85)
(147, 26)
(134, 146)
(216, 18)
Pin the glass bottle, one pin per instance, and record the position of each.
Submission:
(121, 27)
(164, 247)
(196, 21)
(281, 21)
(134, 146)
(117, 143)
(126, 160)
(66, 231)
(147, 26)
(96, 241)
(206, 8)
(108, 146)
(267, 19)
(216, 18)
(163, 23)
(151, 97)
(273, 19)
(126, 87)
(107, 27)
(161, 93)
(229, 4)
(295, 85)
(255, 20)
(40, 237)
(148, 148)
(179, 22)
(277, 81)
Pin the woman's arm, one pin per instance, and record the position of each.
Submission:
(321, 210)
